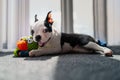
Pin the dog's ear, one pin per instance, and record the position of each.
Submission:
(49, 21)
(36, 19)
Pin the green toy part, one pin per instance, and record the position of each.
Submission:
(16, 52)
(31, 44)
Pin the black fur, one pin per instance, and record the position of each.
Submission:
(32, 32)
(48, 24)
(36, 19)
(75, 39)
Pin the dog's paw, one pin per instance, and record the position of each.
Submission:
(108, 52)
(31, 53)
(108, 55)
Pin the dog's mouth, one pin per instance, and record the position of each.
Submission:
(42, 44)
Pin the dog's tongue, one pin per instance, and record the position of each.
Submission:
(41, 44)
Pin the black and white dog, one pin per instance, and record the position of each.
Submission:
(50, 41)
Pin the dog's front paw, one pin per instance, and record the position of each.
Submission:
(31, 53)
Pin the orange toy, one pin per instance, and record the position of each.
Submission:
(22, 45)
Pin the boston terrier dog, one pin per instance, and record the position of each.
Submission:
(50, 41)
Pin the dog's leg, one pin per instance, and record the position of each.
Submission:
(40, 52)
(82, 49)
(103, 50)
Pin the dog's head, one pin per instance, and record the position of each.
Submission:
(42, 31)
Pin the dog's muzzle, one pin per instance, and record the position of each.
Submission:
(38, 38)
(40, 43)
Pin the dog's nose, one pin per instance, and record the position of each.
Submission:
(37, 38)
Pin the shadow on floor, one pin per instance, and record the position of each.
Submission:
(49, 56)
(115, 49)
(5, 53)
(38, 58)
(86, 67)
(83, 67)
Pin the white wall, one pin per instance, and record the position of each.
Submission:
(113, 18)
(83, 16)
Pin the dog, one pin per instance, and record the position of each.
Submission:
(50, 41)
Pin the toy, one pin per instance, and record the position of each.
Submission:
(24, 45)
(102, 43)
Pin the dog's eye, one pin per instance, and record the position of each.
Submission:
(32, 32)
(45, 30)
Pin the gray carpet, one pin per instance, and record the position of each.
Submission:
(61, 67)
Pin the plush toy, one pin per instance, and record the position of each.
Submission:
(102, 43)
(24, 45)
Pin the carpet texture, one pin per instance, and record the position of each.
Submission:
(61, 67)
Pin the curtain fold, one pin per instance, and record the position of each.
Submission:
(14, 22)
